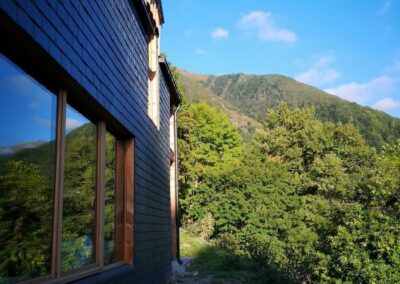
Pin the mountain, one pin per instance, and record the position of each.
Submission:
(196, 90)
(42, 154)
(18, 147)
(247, 98)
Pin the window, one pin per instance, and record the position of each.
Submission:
(27, 163)
(66, 186)
(79, 192)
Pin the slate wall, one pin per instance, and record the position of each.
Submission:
(103, 47)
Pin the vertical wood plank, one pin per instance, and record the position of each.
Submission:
(172, 185)
(59, 180)
(124, 199)
(119, 200)
(172, 195)
(178, 254)
(100, 192)
(129, 200)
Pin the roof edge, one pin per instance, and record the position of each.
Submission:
(161, 12)
(165, 69)
(146, 17)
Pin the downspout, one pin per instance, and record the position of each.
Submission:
(178, 255)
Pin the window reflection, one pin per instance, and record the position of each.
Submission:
(109, 210)
(79, 200)
(27, 163)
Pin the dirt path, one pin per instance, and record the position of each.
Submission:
(182, 276)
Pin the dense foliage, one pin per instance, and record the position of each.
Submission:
(309, 200)
(211, 146)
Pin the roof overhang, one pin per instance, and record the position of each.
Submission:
(147, 17)
(175, 97)
(160, 12)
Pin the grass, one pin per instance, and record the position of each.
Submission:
(190, 246)
(219, 265)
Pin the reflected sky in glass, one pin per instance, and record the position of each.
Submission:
(26, 175)
(23, 104)
(24, 110)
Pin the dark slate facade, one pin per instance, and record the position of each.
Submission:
(101, 49)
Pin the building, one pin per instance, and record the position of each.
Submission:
(88, 188)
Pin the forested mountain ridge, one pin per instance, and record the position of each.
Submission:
(253, 95)
(197, 91)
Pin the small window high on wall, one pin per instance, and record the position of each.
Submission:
(66, 186)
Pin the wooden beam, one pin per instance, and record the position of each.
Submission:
(100, 192)
(119, 201)
(129, 201)
(59, 180)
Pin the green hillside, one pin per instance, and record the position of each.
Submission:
(197, 91)
(250, 96)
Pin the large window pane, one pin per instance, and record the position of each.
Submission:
(109, 210)
(27, 165)
(79, 200)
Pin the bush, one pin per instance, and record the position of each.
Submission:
(203, 228)
(228, 242)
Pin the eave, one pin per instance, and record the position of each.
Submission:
(166, 71)
(146, 16)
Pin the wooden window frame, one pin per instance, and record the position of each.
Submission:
(153, 80)
(124, 192)
(153, 11)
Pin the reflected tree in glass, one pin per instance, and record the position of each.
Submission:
(27, 165)
(79, 196)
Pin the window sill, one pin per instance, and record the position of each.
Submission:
(107, 274)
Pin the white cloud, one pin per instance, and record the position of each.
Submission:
(5, 151)
(201, 52)
(364, 92)
(220, 33)
(320, 73)
(43, 122)
(263, 24)
(385, 7)
(72, 123)
(387, 104)
(34, 105)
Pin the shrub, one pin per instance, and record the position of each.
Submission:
(203, 228)
(228, 242)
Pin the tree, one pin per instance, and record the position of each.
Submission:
(26, 203)
(209, 145)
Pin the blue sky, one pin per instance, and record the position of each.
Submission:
(348, 48)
